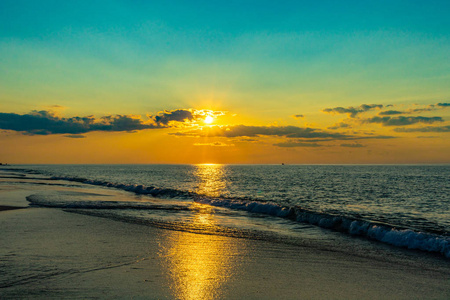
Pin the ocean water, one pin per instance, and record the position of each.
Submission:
(343, 206)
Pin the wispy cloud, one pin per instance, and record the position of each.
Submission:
(297, 144)
(431, 107)
(391, 112)
(75, 136)
(402, 121)
(425, 129)
(353, 111)
(339, 125)
(290, 132)
(254, 131)
(215, 144)
(354, 145)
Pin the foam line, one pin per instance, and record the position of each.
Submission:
(385, 233)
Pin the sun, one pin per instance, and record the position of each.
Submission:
(208, 120)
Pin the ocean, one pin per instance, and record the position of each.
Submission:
(362, 209)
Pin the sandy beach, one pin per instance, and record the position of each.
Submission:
(53, 254)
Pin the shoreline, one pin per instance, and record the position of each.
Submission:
(66, 255)
(51, 253)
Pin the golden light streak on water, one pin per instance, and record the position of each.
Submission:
(212, 179)
(200, 264)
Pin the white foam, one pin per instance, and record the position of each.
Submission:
(390, 235)
(383, 233)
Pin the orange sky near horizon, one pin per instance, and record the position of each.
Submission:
(298, 82)
(225, 140)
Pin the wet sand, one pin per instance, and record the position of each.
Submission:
(52, 254)
(9, 207)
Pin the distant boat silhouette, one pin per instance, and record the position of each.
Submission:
(282, 164)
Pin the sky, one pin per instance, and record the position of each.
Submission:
(298, 82)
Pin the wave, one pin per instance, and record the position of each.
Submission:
(385, 233)
(138, 189)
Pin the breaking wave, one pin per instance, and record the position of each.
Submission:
(385, 233)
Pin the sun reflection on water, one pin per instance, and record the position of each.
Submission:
(212, 179)
(199, 265)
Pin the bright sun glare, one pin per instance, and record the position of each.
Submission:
(209, 119)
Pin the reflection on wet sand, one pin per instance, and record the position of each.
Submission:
(200, 264)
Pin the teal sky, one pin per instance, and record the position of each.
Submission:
(261, 60)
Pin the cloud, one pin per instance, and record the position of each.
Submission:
(390, 113)
(75, 136)
(297, 144)
(375, 137)
(245, 139)
(304, 133)
(339, 125)
(355, 145)
(353, 111)
(425, 129)
(56, 106)
(47, 122)
(431, 107)
(178, 115)
(254, 131)
(184, 115)
(402, 121)
(215, 144)
(298, 116)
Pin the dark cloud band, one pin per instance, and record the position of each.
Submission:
(46, 122)
(425, 129)
(353, 111)
(291, 132)
(402, 121)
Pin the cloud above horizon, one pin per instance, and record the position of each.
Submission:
(354, 145)
(402, 121)
(353, 111)
(46, 122)
(425, 129)
(290, 132)
(390, 113)
(431, 107)
(290, 144)
(254, 131)
(214, 144)
(190, 121)
(183, 115)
